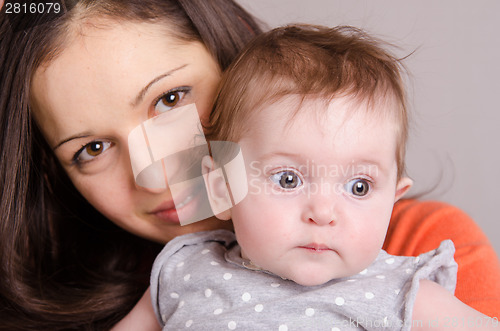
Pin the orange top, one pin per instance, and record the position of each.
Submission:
(419, 226)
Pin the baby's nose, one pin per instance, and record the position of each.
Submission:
(320, 211)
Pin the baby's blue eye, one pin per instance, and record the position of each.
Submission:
(358, 187)
(286, 179)
(169, 100)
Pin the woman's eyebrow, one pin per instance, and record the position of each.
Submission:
(142, 93)
(134, 103)
(77, 136)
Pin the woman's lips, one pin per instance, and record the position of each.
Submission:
(169, 211)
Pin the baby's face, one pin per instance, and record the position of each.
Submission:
(321, 189)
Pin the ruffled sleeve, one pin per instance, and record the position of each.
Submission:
(419, 226)
(438, 266)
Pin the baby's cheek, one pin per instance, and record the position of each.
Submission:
(366, 248)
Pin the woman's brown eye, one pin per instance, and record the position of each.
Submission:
(170, 99)
(91, 151)
(94, 148)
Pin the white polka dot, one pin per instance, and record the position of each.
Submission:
(180, 264)
(214, 263)
(187, 277)
(363, 272)
(275, 285)
(339, 301)
(208, 293)
(335, 329)
(408, 271)
(259, 308)
(189, 323)
(205, 251)
(227, 276)
(397, 291)
(246, 297)
(309, 312)
(369, 295)
(218, 311)
(283, 327)
(181, 304)
(390, 260)
(174, 295)
(380, 276)
(231, 325)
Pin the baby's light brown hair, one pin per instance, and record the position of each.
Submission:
(312, 62)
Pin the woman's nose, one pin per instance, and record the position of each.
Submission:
(152, 179)
(150, 189)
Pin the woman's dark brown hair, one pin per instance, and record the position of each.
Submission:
(63, 265)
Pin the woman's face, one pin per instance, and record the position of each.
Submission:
(108, 80)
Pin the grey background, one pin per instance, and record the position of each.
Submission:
(454, 88)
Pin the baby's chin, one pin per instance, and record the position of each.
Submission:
(313, 275)
(313, 278)
(312, 281)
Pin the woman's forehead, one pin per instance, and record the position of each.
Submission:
(103, 70)
(119, 55)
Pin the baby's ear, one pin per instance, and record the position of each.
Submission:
(402, 187)
(215, 183)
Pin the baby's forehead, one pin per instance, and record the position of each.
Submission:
(292, 110)
(322, 133)
(338, 127)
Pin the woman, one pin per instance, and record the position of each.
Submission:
(72, 86)
(64, 265)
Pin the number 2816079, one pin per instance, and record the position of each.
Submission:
(32, 8)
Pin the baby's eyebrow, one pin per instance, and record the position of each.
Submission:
(370, 166)
(273, 155)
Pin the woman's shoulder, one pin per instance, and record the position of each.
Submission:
(418, 226)
(411, 210)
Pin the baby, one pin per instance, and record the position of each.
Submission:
(320, 117)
